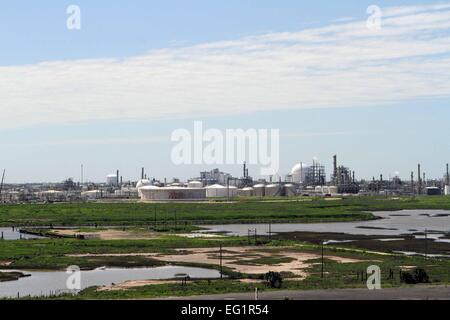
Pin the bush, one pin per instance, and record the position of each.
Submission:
(273, 279)
(418, 276)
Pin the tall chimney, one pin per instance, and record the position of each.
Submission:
(412, 182)
(419, 180)
(142, 173)
(448, 177)
(245, 169)
(117, 177)
(335, 174)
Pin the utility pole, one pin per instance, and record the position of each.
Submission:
(323, 241)
(221, 268)
(1, 183)
(412, 183)
(270, 230)
(448, 177)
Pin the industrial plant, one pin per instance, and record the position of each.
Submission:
(303, 180)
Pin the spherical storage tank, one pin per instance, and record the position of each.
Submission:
(143, 183)
(298, 173)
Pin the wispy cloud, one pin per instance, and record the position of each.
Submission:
(343, 64)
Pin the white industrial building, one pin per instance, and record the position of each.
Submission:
(112, 180)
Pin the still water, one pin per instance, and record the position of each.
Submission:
(54, 282)
(392, 223)
(14, 234)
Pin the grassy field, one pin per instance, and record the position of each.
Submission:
(336, 275)
(176, 214)
(53, 254)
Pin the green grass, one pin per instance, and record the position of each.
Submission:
(336, 275)
(169, 215)
(10, 276)
(52, 253)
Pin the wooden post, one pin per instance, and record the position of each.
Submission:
(221, 268)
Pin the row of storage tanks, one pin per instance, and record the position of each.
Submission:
(195, 190)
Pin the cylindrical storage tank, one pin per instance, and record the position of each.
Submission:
(332, 190)
(216, 191)
(246, 192)
(273, 190)
(318, 189)
(171, 193)
(447, 190)
(195, 184)
(433, 191)
(289, 190)
(259, 190)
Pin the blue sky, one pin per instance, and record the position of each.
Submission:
(110, 94)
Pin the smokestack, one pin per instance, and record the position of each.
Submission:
(121, 181)
(353, 176)
(381, 178)
(142, 173)
(117, 177)
(419, 191)
(335, 168)
(424, 180)
(245, 169)
(412, 182)
(448, 177)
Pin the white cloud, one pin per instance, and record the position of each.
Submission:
(343, 64)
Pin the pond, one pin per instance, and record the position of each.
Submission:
(44, 283)
(14, 234)
(391, 223)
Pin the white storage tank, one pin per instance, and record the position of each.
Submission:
(143, 183)
(195, 184)
(246, 192)
(289, 190)
(259, 190)
(319, 189)
(332, 190)
(91, 194)
(171, 193)
(219, 191)
(272, 190)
